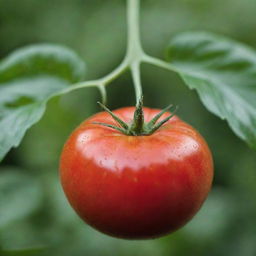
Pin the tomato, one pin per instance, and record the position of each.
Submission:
(136, 187)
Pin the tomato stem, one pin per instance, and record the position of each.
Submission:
(138, 118)
(138, 127)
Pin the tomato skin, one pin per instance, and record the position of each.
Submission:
(136, 187)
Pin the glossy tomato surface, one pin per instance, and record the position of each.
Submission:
(136, 187)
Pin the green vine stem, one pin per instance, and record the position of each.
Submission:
(134, 56)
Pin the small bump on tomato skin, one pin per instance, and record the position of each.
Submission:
(136, 187)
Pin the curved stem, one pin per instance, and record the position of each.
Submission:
(158, 62)
(123, 66)
(133, 58)
(90, 83)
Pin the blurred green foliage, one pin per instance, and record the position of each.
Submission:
(33, 210)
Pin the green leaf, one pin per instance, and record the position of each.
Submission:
(42, 59)
(20, 195)
(224, 74)
(28, 79)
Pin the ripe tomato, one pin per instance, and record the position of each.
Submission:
(136, 186)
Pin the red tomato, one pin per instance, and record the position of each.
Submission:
(136, 187)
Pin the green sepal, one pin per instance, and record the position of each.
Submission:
(138, 127)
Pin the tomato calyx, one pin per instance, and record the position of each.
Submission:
(138, 127)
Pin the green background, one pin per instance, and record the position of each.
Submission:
(33, 210)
